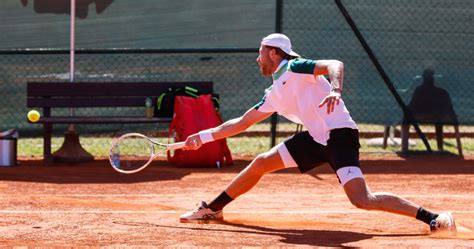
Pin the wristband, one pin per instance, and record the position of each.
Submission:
(206, 136)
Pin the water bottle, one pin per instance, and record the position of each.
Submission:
(116, 157)
(116, 160)
(148, 108)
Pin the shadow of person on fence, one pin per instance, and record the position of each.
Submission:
(64, 6)
(430, 105)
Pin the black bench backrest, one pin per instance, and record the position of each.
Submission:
(101, 94)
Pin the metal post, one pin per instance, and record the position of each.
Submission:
(71, 150)
(278, 29)
(72, 47)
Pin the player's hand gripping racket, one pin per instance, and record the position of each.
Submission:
(133, 152)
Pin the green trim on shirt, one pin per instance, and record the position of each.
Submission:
(280, 72)
(263, 98)
(304, 66)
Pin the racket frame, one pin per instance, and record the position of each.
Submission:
(173, 146)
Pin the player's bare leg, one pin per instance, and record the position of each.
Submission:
(264, 163)
(242, 183)
(360, 196)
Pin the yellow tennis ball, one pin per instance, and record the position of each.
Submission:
(33, 116)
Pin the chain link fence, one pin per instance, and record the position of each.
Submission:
(235, 75)
(407, 37)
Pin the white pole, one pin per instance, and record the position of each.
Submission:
(71, 50)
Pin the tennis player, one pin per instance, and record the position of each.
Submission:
(301, 93)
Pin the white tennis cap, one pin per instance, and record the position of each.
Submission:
(280, 41)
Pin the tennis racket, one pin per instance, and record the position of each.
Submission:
(133, 152)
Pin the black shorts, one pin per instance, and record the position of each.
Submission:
(342, 149)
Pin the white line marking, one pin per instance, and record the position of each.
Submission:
(178, 212)
(452, 196)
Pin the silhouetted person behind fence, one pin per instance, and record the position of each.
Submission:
(430, 105)
(64, 6)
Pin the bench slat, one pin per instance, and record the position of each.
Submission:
(100, 120)
(87, 102)
(67, 89)
(48, 95)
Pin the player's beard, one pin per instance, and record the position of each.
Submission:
(266, 70)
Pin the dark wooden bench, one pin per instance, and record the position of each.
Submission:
(48, 95)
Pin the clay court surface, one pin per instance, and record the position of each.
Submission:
(92, 205)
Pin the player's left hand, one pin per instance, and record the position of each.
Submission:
(331, 100)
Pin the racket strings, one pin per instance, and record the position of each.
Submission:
(131, 153)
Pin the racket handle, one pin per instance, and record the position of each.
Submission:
(176, 146)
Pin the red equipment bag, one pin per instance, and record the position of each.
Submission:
(192, 115)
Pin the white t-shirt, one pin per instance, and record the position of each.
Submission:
(296, 95)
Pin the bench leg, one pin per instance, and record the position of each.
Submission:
(458, 140)
(71, 150)
(386, 133)
(47, 156)
(405, 134)
(439, 136)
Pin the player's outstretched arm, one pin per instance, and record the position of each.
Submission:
(226, 129)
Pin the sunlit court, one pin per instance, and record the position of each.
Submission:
(93, 205)
(236, 124)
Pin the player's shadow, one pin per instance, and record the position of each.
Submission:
(311, 237)
(314, 237)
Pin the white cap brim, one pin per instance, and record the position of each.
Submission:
(280, 41)
(292, 53)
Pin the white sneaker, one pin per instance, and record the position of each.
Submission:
(202, 213)
(444, 222)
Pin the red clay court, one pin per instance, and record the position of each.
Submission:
(92, 205)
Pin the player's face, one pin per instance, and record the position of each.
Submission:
(264, 61)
